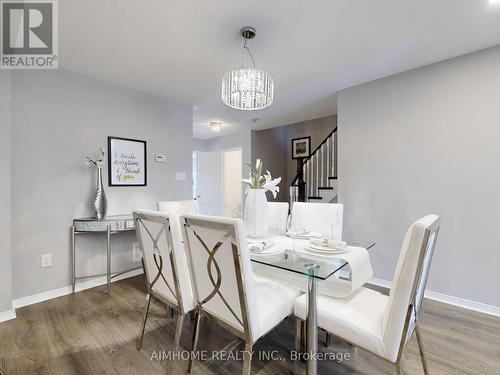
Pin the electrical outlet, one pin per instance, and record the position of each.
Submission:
(136, 252)
(46, 260)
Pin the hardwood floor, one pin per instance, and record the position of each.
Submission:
(93, 333)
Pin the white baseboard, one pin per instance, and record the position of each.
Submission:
(65, 290)
(7, 315)
(450, 300)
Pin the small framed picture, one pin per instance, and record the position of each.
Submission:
(127, 165)
(301, 147)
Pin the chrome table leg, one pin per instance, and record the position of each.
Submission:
(312, 326)
(108, 253)
(73, 254)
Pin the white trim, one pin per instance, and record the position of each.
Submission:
(7, 315)
(65, 290)
(450, 300)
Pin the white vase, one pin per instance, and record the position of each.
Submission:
(256, 214)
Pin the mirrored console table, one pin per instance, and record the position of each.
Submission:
(109, 225)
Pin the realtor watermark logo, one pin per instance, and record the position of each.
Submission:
(29, 34)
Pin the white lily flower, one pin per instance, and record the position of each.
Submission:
(266, 182)
(272, 185)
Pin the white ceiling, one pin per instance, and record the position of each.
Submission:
(181, 49)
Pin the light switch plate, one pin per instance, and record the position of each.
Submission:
(46, 260)
(180, 176)
(161, 158)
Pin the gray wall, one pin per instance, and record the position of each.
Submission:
(59, 117)
(5, 229)
(427, 141)
(242, 139)
(274, 147)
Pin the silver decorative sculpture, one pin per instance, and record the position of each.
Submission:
(100, 202)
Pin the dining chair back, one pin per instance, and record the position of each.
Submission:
(166, 274)
(278, 216)
(383, 324)
(224, 284)
(402, 313)
(175, 209)
(323, 218)
(221, 271)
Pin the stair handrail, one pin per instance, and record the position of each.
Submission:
(298, 182)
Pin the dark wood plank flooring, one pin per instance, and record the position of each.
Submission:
(91, 332)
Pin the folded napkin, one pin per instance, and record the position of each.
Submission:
(258, 246)
(329, 244)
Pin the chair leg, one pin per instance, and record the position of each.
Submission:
(177, 339)
(144, 319)
(298, 335)
(421, 350)
(178, 331)
(170, 312)
(247, 361)
(398, 368)
(194, 343)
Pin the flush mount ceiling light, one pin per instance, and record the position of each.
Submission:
(247, 88)
(215, 126)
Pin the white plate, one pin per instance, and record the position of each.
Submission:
(326, 249)
(266, 253)
(323, 252)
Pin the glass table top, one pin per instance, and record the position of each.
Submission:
(289, 257)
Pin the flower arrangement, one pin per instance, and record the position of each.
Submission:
(257, 181)
(98, 162)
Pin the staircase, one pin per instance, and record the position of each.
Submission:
(316, 179)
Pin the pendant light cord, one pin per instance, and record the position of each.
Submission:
(249, 52)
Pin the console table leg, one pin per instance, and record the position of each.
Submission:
(73, 255)
(108, 253)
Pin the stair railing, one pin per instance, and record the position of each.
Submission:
(315, 171)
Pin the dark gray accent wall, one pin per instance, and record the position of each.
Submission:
(274, 147)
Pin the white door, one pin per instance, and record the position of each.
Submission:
(209, 182)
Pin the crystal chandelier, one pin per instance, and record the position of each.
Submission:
(247, 88)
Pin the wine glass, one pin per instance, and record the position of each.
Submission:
(290, 231)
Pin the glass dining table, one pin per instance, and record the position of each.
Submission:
(291, 258)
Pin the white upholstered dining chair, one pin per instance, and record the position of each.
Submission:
(382, 324)
(225, 287)
(175, 209)
(165, 267)
(278, 216)
(324, 218)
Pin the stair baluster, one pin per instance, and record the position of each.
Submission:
(316, 171)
